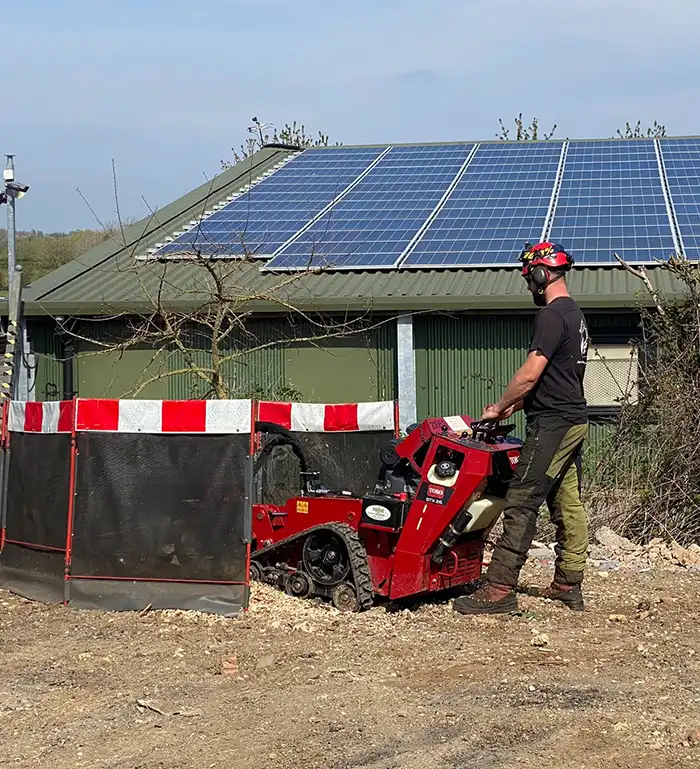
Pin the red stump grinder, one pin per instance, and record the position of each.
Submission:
(422, 530)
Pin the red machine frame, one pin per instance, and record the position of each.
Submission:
(427, 545)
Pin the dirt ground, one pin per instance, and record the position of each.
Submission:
(291, 684)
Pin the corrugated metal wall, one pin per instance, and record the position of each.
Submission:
(270, 362)
(48, 353)
(464, 361)
(255, 363)
(267, 361)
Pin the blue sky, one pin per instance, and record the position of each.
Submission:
(167, 87)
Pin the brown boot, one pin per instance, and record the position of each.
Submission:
(569, 595)
(492, 598)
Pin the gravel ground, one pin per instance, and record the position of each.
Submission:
(292, 684)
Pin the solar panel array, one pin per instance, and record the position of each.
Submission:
(372, 225)
(461, 205)
(611, 199)
(273, 211)
(682, 162)
(502, 200)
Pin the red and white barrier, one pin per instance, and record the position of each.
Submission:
(200, 416)
(151, 416)
(40, 417)
(320, 417)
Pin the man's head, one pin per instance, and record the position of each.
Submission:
(544, 268)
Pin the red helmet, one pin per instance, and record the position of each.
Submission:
(549, 255)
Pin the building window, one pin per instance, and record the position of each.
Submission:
(612, 374)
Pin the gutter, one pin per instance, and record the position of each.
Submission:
(309, 304)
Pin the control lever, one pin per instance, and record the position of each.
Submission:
(489, 430)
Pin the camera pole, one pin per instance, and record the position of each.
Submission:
(9, 176)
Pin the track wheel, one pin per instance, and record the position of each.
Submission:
(344, 597)
(256, 572)
(298, 585)
(325, 558)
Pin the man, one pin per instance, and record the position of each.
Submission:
(549, 387)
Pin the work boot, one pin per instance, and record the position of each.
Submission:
(569, 595)
(492, 598)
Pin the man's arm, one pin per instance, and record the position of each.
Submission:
(546, 337)
(524, 379)
(512, 409)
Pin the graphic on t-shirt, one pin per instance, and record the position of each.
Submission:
(583, 331)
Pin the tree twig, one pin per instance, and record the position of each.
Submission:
(641, 274)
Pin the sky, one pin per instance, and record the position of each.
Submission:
(165, 88)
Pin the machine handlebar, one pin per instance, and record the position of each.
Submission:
(489, 430)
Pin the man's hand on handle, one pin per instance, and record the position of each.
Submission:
(494, 411)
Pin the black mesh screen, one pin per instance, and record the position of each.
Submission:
(347, 462)
(34, 574)
(36, 516)
(161, 506)
(123, 595)
(38, 489)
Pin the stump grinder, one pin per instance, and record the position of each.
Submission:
(422, 530)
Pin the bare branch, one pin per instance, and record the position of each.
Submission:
(641, 274)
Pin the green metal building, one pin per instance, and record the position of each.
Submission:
(440, 341)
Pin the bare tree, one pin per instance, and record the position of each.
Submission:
(523, 132)
(197, 316)
(262, 134)
(196, 311)
(656, 131)
(531, 131)
(647, 484)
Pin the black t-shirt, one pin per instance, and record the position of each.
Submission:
(561, 335)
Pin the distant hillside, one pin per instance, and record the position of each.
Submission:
(41, 252)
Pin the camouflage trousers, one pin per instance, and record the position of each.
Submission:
(549, 471)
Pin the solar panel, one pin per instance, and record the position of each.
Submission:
(262, 219)
(611, 199)
(682, 162)
(501, 201)
(373, 224)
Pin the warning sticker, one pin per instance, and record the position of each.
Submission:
(457, 424)
(302, 506)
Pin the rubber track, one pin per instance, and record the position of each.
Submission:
(359, 566)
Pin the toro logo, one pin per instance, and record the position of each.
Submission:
(514, 460)
(436, 491)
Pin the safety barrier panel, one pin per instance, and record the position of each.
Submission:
(342, 442)
(122, 504)
(36, 496)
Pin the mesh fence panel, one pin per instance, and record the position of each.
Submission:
(612, 373)
(38, 479)
(161, 506)
(346, 460)
(38, 488)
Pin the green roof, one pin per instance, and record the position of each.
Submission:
(109, 279)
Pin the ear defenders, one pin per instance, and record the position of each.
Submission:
(541, 277)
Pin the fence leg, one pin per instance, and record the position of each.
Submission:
(71, 508)
(4, 472)
(248, 524)
(249, 494)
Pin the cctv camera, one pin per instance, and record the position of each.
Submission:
(17, 188)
